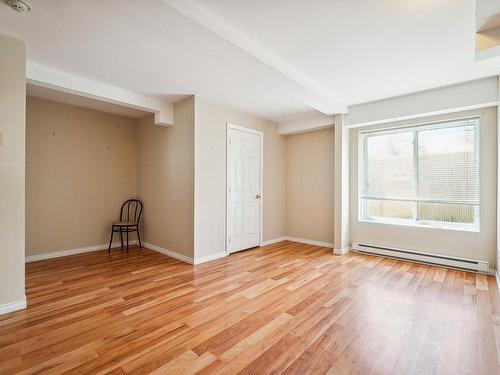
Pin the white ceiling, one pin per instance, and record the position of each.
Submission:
(279, 59)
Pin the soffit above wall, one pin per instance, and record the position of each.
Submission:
(59, 96)
(487, 29)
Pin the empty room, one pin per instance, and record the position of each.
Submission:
(249, 187)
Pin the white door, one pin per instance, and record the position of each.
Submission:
(244, 156)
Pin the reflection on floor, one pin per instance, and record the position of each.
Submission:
(284, 308)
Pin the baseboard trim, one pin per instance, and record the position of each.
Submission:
(80, 250)
(342, 251)
(13, 306)
(184, 258)
(309, 242)
(497, 277)
(169, 253)
(209, 258)
(300, 240)
(273, 241)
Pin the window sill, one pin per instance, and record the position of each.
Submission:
(426, 225)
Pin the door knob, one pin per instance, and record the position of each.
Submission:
(257, 196)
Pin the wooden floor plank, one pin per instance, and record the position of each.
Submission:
(285, 308)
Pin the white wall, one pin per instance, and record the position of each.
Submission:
(210, 175)
(481, 93)
(12, 169)
(498, 188)
(481, 245)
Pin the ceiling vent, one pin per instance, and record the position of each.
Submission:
(19, 5)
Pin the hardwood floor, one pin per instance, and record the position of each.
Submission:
(286, 308)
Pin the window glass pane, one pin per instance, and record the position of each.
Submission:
(448, 164)
(449, 213)
(389, 171)
(389, 209)
(428, 173)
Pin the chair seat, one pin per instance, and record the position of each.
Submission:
(125, 223)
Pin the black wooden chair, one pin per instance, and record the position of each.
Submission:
(130, 216)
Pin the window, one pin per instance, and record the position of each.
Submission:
(423, 175)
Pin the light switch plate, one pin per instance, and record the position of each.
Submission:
(1, 138)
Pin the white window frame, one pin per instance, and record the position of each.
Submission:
(415, 222)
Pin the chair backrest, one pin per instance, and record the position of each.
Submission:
(131, 211)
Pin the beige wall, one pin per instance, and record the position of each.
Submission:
(12, 168)
(81, 166)
(210, 181)
(166, 180)
(488, 39)
(481, 245)
(309, 185)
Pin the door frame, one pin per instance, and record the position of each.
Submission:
(261, 200)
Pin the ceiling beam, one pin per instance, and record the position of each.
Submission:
(309, 92)
(481, 93)
(40, 75)
(306, 124)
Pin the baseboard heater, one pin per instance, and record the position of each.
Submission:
(464, 264)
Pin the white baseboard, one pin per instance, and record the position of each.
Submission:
(342, 251)
(13, 306)
(309, 242)
(210, 257)
(305, 241)
(184, 258)
(81, 250)
(273, 241)
(169, 253)
(497, 277)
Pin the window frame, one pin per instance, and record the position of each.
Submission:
(363, 215)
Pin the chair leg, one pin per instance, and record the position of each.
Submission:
(121, 236)
(127, 240)
(139, 237)
(110, 240)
